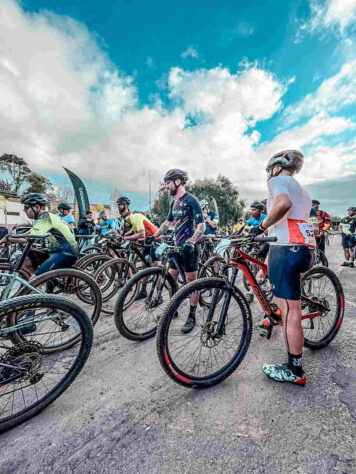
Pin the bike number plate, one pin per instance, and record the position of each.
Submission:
(307, 229)
(159, 250)
(222, 246)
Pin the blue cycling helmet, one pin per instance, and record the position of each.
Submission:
(101, 213)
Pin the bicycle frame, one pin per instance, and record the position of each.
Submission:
(13, 277)
(240, 260)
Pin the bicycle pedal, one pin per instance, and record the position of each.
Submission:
(266, 331)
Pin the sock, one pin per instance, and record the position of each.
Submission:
(295, 363)
(192, 310)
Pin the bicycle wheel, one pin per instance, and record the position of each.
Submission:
(32, 379)
(91, 263)
(91, 249)
(75, 286)
(321, 285)
(111, 277)
(199, 358)
(136, 319)
(320, 259)
(215, 266)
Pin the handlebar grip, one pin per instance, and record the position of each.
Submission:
(265, 239)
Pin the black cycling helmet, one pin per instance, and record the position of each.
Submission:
(315, 201)
(123, 200)
(351, 208)
(291, 160)
(257, 205)
(64, 206)
(176, 173)
(33, 199)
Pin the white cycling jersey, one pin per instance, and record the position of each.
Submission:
(293, 228)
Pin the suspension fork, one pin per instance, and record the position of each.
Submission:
(230, 285)
(163, 277)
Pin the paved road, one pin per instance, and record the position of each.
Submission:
(124, 414)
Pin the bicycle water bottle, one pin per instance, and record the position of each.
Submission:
(268, 293)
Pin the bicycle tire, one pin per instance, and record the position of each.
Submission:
(162, 345)
(91, 263)
(104, 268)
(122, 305)
(75, 275)
(326, 335)
(54, 302)
(92, 249)
(322, 259)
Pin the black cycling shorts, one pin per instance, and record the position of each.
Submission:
(285, 265)
(188, 261)
(348, 241)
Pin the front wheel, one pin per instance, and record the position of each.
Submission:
(321, 293)
(30, 379)
(204, 356)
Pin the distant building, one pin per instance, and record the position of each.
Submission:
(15, 213)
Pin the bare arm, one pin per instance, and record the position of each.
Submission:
(212, 223)
(281, 206)
(139, 235)
(163, 229)
(198, 234)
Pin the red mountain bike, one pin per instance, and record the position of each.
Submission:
(222, 335)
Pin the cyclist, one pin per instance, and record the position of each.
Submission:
(288, 214)
(86, 226)
(106, 224)
(324, 224)
(65, 214)
(239, 225)
(61, 242)
(347, 229)
(211, 218)
(189, 226)
(257, 216)
(139, 227)
(123, 204)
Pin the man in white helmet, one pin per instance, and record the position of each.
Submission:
(288, 209)
(211, 218)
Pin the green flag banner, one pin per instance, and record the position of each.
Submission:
(80, 192)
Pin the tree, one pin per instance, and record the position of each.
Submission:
(17, 170)
(160, 207)
(221, 189)
(99, 206)
(226, 195)
(39, 184)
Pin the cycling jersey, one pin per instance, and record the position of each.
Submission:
(252, 222)
(213, 217)
(61, 238)
(348, 225)
(185, 213)
(323, 219)
(105, 226)
(293, 228)
(140, 222)
(238, 226)
(69, 219)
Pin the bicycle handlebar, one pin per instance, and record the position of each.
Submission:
(265, 239)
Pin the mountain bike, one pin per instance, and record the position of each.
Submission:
(220, 340)
(30, 377)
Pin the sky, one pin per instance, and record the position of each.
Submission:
(115, 90)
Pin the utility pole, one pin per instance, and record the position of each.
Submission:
(149, 191)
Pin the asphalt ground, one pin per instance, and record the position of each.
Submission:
(123, 414)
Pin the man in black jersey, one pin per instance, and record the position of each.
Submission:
(186, 215)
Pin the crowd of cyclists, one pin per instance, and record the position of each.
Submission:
(291, 218)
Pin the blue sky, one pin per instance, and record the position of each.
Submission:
(114, 89)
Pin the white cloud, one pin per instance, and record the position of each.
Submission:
(190, 52)
(65, 104)
(332, 95)
(338, 16)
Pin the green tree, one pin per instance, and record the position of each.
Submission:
(160, 207)
(16, 169)
(38, 184)
(226, 195)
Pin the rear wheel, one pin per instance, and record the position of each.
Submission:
(111, 276)
(202, 358)
(75, 286)
(32, 379)
(321, 285)
(137, 314)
